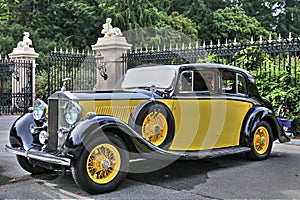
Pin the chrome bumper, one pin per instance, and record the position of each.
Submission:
(41, 156)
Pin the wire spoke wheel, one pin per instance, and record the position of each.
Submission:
(103, 163)
(155, 128)
(154, 121)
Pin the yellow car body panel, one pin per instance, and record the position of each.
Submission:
(208, 124)
(120, 109)
(200, 124)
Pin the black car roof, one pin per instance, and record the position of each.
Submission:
(192, 66)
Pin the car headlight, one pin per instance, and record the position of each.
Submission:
(72, 112)
(39, 109)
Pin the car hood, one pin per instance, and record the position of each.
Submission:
(105, 95)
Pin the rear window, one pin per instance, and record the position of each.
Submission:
(233, 83)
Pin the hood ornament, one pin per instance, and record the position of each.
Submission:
(64, 82)
(153, 89)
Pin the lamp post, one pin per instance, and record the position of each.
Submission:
(101, 66)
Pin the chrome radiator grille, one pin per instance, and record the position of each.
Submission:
(52, 123)
(55, 121)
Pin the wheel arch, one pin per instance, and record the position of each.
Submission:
(253, 117)
(142, 110)
(20, 135)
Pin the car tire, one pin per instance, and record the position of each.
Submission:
(154, 122)
(261, 141)
(102, 165)
(24, 163)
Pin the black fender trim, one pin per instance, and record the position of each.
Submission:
(87, 129)
(20, 135)
(253, 117)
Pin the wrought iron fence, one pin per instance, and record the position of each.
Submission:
(263, 58)
(79, 67)
(15, 86)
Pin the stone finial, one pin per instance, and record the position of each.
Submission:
(110, 31)
(26, 41)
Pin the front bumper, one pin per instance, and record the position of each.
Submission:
(39, 155)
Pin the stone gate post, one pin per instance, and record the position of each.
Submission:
(110, 47)
(23, 52)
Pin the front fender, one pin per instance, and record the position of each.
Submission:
(20, 135)
(253, 117)
(88, 129)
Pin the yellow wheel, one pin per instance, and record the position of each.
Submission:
(102, 165)
(261, 142)
(154, 122)
(155, 128)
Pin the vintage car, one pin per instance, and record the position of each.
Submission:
(169, 112)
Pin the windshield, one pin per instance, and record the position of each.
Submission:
(143, 77)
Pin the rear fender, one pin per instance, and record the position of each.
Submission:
(88, 129)
(253, 117)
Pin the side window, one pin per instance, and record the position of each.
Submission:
(186, 82)
(233, 83)
(197, 81)
(241, 84)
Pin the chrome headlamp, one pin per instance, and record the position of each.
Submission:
(72, 112)
(39, 109)
(43, 137)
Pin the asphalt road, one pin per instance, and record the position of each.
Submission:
(230, 177)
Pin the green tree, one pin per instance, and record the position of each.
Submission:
(262, 10)
(202, 16)
(288, 17)
(217, 4)
(231, 23)
(61, 24)
(182, 24)
(147, 23)
(4, 12)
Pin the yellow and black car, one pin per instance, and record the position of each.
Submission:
(170, 112)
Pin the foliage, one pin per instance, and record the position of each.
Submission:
(41, 82)
(288, 17)
(77, 23)
(233, 23)
(198, 12)
(277, 91)
(251, 58)
(264, 11)
(182, 25)
(4, 12)
(276, 88)
(273, 82)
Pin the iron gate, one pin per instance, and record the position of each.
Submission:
(15, 86)
(81, 68)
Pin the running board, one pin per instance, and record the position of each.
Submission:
(196, 155)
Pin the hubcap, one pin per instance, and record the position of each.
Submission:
(155, 128)
(261, 140)
(103, 163)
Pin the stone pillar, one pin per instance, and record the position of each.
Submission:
(111, 48)
(23, 52)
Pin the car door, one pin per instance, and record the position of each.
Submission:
(194, 110)
(205, 117)
(234, 92)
